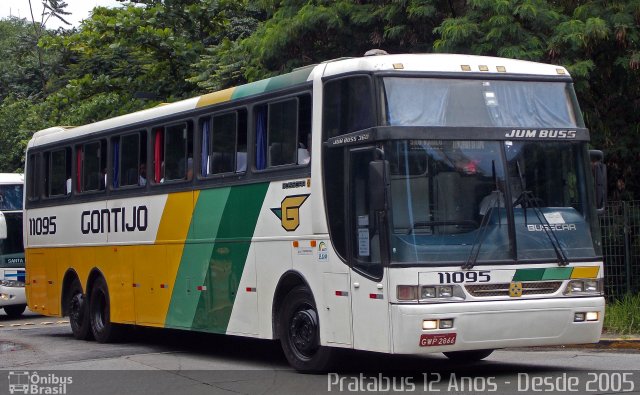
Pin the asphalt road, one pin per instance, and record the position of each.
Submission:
(155, 361)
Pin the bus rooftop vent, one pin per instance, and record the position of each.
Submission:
(375, 52)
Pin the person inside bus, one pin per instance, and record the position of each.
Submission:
(103, 179)
(190, 168)
(142, 177)
(304, 152)
(495, 199)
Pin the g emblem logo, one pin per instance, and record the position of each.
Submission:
(289, 211)
(515, 290)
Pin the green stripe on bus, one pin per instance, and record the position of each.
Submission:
(550, 273)
(528, 275)
(557, 273)
(228, 257)
(192, 272)
(279, 82)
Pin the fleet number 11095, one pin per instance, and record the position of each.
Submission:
(464, 277)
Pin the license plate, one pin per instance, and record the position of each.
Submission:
(441, 339)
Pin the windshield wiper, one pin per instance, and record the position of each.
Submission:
(528, 199)
(482, 230)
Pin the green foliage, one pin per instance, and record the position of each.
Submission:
(19, 69)
(301, 33)
(597, 41)
(15, 115)
(623, 316)
(173, 49)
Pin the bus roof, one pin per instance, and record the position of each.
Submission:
(445, 63)
(449, 63)
(11, 178)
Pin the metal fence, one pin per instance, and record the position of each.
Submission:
(620, 226)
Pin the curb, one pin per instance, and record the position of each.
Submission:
(613, 343)
(623, 342)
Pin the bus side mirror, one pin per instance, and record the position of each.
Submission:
(378, 185)
(3, 227)
(599, 170)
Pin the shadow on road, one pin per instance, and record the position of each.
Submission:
(268, 353)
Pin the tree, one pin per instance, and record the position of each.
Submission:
(50, 8)
(19, 70)
(299, 33)
(597, 41)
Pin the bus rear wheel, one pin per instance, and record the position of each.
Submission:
(78, 310)
(468, 356)
(15, 311)
(300, 333)
(104, 331)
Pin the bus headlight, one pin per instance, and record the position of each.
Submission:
(445, 291)
(591, 286)
(429, 293)
(441, 293)
(588, 286)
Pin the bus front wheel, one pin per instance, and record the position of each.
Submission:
(78, 309)
(468, 356)
(15, 311)
(104, 331)
(300, 332)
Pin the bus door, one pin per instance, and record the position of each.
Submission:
(370, 295)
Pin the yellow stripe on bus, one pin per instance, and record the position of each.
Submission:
(215, 98)
(585, 272)
(157, 279)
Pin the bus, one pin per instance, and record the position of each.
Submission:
(12, 272)
(403, 204)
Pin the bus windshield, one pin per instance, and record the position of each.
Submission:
(449, 201)
(11, 248)
(10, 197)
(457, 102)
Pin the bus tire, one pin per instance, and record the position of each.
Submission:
(78, 309)
(15, 311)
(104, 331)
(468, 356)
(300, 333)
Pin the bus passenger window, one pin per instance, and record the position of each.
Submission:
(304, 131)
(130, 158)
(261, 137)
(32, 181)
(282, 132)
(58, 171)
(282, 136)
(172, 149)
(223, 143)
(241, 142)
(93, 165)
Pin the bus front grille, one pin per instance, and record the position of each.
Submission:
(502, 289)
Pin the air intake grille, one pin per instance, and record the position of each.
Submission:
(528, 288)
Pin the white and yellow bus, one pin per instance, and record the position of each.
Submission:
(403, 204)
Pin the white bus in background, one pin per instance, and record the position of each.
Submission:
(12, 297)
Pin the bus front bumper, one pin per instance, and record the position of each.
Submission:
(10, 296)
(495, 324)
